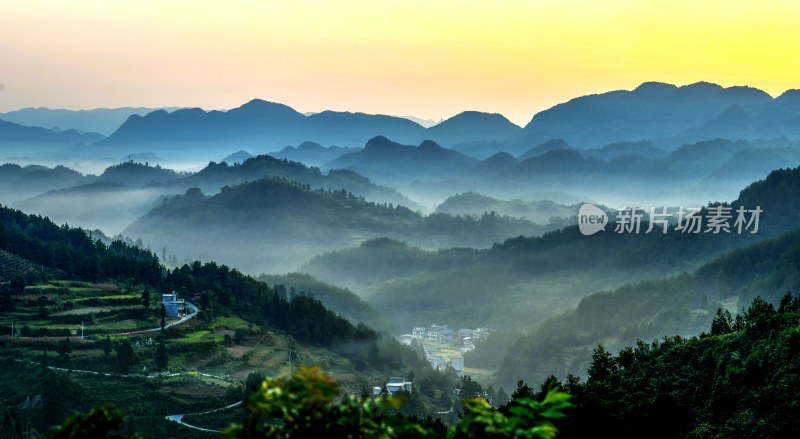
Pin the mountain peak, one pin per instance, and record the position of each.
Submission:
(652, 87)
(262, 108)
(430, 145)
(471, 116)
(310, 146)
(380, 142)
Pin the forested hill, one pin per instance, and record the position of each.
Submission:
(72, 250)
(559, 265)
(739, 380)
(216, 175)
(274, 225)
(224, 290)
(682, 305)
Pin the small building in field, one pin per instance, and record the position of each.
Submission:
(397, 384)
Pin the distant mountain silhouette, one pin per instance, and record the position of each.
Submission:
(472, 126)
(17, 182)
(136, 174)
(20, 140)
(262, 126)
(312, 153)
(665, 114)
(237, 157)
(353, 129)
(258, 126)
(101, 120)
(217, 175)
(550, 145)
(641, 148)
(388, 161)
(494, 165)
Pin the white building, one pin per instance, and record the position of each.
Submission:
(397, 384)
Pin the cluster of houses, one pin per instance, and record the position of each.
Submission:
(464, 337)
(463, 340)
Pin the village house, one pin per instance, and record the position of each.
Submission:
(175, 307)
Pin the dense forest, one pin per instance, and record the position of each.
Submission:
(221, 290)
(72, 250)
(682, 304)
(738, 380)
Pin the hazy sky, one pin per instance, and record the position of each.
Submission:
(429, 58)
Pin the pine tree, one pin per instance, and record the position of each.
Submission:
(146, 297)
(722, 323)
(64, 349)
(107, 346)
(161, 359)
(125, 356)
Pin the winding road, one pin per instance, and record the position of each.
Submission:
(182, 320)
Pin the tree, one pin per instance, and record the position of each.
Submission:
(125, 356)
(252, 384)
(107, 346)
(305, 405)
(163, 317)
(45, 361)
(722, 323)
(161, 358)
(100, 422)
(146, 297)
(64, 349)
(521, 418)
(523, 390)
(603, 364)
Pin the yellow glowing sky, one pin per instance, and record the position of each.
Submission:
(430, 59)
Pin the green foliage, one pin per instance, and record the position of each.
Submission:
(521, 418)
(722, 323)
(64, 348)
(125, 356)
(337, 299)
(99, 422)
(740, 382)
(146, 298)
(302, 406)
(72, 250)
(308, 404)
(106, 345)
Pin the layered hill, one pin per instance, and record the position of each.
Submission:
(100, 120)
(666, 114)
(21, 140)
(525, 279)
(389, 161)
(273, 225)
(262, 126)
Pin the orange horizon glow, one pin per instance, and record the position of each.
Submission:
(429, 59)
